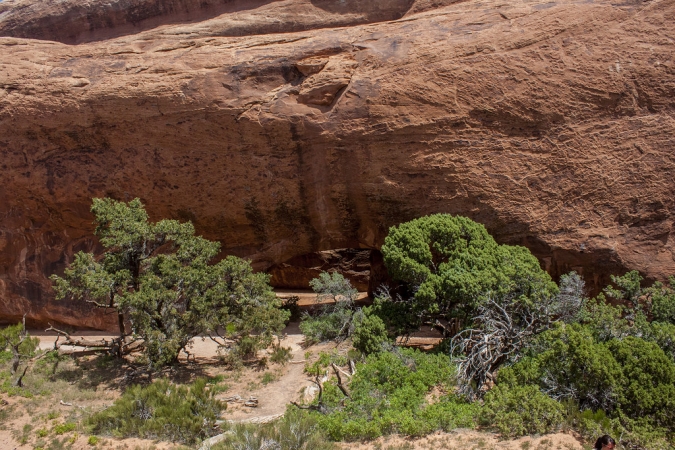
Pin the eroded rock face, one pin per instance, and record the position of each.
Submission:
(551, 123)
(296, 273)
(78, 21)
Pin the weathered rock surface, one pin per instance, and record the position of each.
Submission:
(77, 21)
(550, 122)
(296, 273)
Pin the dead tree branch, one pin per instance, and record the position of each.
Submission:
(503, 327)
(115, 346)
(320, 407)
(340, 385)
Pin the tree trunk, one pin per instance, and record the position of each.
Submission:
(16, 359)
(120, 322)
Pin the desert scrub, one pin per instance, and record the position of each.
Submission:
(281, 355)
(389, 393)
(64, 428)
(521, 410)
(268, 377)
(185, 414)
(297, 430)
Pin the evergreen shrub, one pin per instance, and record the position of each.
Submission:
(391, 392)
(162, 410)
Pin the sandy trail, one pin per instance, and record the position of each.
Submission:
(274, 397)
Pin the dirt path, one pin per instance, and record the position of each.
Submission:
(275, 396)
(275, 386)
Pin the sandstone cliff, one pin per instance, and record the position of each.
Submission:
(550, 122)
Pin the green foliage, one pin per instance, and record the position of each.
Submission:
(632, 380)
(333, 321)
(390, 394)
(162, 410)
(5, 356)
(93, 440)
(608, 322)
(604, 320)
(521, 410)
(657, 301)
(333, 286)
(648, 383)
(268, 377)
(451, 264)
(325, 359)
(63, 428)
(334, 325)
(281, 355)
(627, 287)
(21, 348)
(161, 277)
(340, 319)
(370, 333)
(591, 423)
(296, 430)
(503, 327)
(394, 312)
(567, 363)
(663, 301)
(663, 335)
(14, 336)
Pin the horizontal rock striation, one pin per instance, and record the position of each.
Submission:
(550, 122)
(78, 21)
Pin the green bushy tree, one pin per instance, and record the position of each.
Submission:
(568, 364)
(335, 287)
(662, 297)
(161, 277)
(341, 318)
(451, 265)
(505, 326)
(656, 301)
(648, 382)
(630, 379)
(370, 333)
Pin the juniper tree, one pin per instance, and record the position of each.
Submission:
(161, 278)
(450, 265)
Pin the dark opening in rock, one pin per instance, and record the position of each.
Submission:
(353, 263)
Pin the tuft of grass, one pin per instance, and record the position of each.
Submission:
(93, 440)
(252, 386)
(281, 355)
(73, 438)
(268, 378)
(6, 413)
(64, 428)
(215, 379)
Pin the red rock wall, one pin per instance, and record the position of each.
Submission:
(551, 123)
(78, 21)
